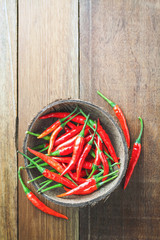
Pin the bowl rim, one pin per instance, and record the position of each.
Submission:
(98, 198)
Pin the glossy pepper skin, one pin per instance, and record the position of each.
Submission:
(49, 160)
(92, 188)
(134, 157)
(77, 149)
(63, 151)
(36, 202)
(120, 116)
(107, 142)
(55, 134)
(51, 175)
(70, 141)
(68, 135)
(78, 119)
(104, 162)
(88, 183)
(55, 125)
(84, 154)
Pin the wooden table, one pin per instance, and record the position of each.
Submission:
(70, 49)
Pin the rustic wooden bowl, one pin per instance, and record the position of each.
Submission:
(109, 125)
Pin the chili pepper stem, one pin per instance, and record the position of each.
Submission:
(26, 190)
(112, 104)
(138, 140)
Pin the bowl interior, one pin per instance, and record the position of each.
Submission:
(108, 124)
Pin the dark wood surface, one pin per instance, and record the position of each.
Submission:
(119, 55)
(71, 49)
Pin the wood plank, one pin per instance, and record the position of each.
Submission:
(8, 114)
(48, 70)
(119, 55)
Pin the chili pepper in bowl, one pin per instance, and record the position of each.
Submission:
(84, 154)
(55, 134)
(51, 175)
(135, 156)
(88, 183)
(77, 149)
(55, 125)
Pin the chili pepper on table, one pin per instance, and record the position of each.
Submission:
(78, 119)
(77, 149)
(51, 175)
(135, 156)
(88, 183)
(107, 141)
(104, 162)
(36, 202)
(84, 154)
(120, 116)
(55, 125)
(55, 134)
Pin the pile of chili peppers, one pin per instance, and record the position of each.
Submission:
(77, 155)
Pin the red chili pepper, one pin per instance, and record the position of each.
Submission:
(79, 119)
(51, 175)
(97, 159)
(55, 125)
(68, 135)
(86, 164)
(135, 156)
(84, 154)
(93, 188)
(70, 141)
(107, 141)
(55, 134)
(67, 129)
(36, 202)
(63, 151)
(89, 182)
(104, 162)
(71, 125)
(120, 117)
(49, 160)
(77, 149)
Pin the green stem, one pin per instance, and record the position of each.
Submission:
(141, 131)
(108, 155)
(41, 169)
(47, 138)
(26, 190)
(108, 180)
(46, 184)
(90, 123)
(52, 187)
(100, 178)
(63, 119)
(82, 132)
(112, 104)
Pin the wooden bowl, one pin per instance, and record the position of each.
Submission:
(116, 136)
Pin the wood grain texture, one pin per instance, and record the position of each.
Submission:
(48, 70)
(119, 55)
(8, 114)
